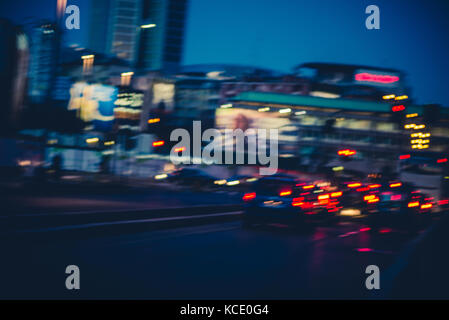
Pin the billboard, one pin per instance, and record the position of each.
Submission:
(94, 103)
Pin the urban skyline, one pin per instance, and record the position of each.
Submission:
(211, 39)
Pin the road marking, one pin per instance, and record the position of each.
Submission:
(128, 222)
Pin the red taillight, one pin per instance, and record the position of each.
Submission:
(443, 202)
(285, 193)
(180, 149)
(362, 189)
(404, 156)
(442, 160)
(158, 143)
(354, 185)
(395, 185)
(426, 206)
(398, 108)
(413, 204)
(336, 194)
(308, 187)
(249, 196)
(396, 197)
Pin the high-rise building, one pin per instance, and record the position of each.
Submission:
(43, 61)
(114, 28)
(14, 54)
(149, 34)
(161, 47)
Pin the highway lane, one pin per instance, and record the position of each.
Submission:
(209, 261)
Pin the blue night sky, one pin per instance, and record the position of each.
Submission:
(280, 34)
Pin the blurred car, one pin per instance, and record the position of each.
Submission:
(188, 177)
(283, 199)
(238, 182)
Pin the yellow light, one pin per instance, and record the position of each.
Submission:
(147, 26)
(415, 135)
(251, 180)
(155, 120)
(89, 56)
(233, 183)
(338, 169)
(92, 140)
(287, 110)
(220, 182)
(409, 126)
(388, 97)
(404, 97)
(161, 176)
(421, 126)
(412, 115)
(109, 143)
(264, 109)
(127, 74)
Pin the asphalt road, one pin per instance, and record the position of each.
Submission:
(214, 261)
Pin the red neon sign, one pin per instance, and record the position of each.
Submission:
(369, 77)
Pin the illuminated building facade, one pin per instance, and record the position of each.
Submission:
(311, 127)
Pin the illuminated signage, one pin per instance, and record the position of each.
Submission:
(376, 78)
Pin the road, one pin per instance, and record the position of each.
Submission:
(213, 261)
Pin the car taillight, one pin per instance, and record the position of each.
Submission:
(395, 185)
(396, 197)
(443, 202)
(413, 204)
(426, 206)
(249, 196)
(285, 193)
(323, 197)
(336, 194)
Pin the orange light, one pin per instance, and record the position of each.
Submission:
(180, 149)
(369, 197)
(354, 185)
(336, 194)
(158, 143)
(373, 200)
(374, 186)
(155, 120)
(308, 187)
(285, 193)
(426, 206)
(395, 185)
(413, 204)
(297, 204)
(324, 196)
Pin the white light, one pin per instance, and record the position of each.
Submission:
(233, 183)
(226, 106)
(146, 26)
(264, 109)
(160, 176)
(287, 110)
(300, 113)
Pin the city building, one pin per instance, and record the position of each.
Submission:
(43, 62)
(149, 34)
(14, 53)
(162, 35)
(332, 80)
(316, 130)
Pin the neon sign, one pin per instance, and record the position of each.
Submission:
(377, 78)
